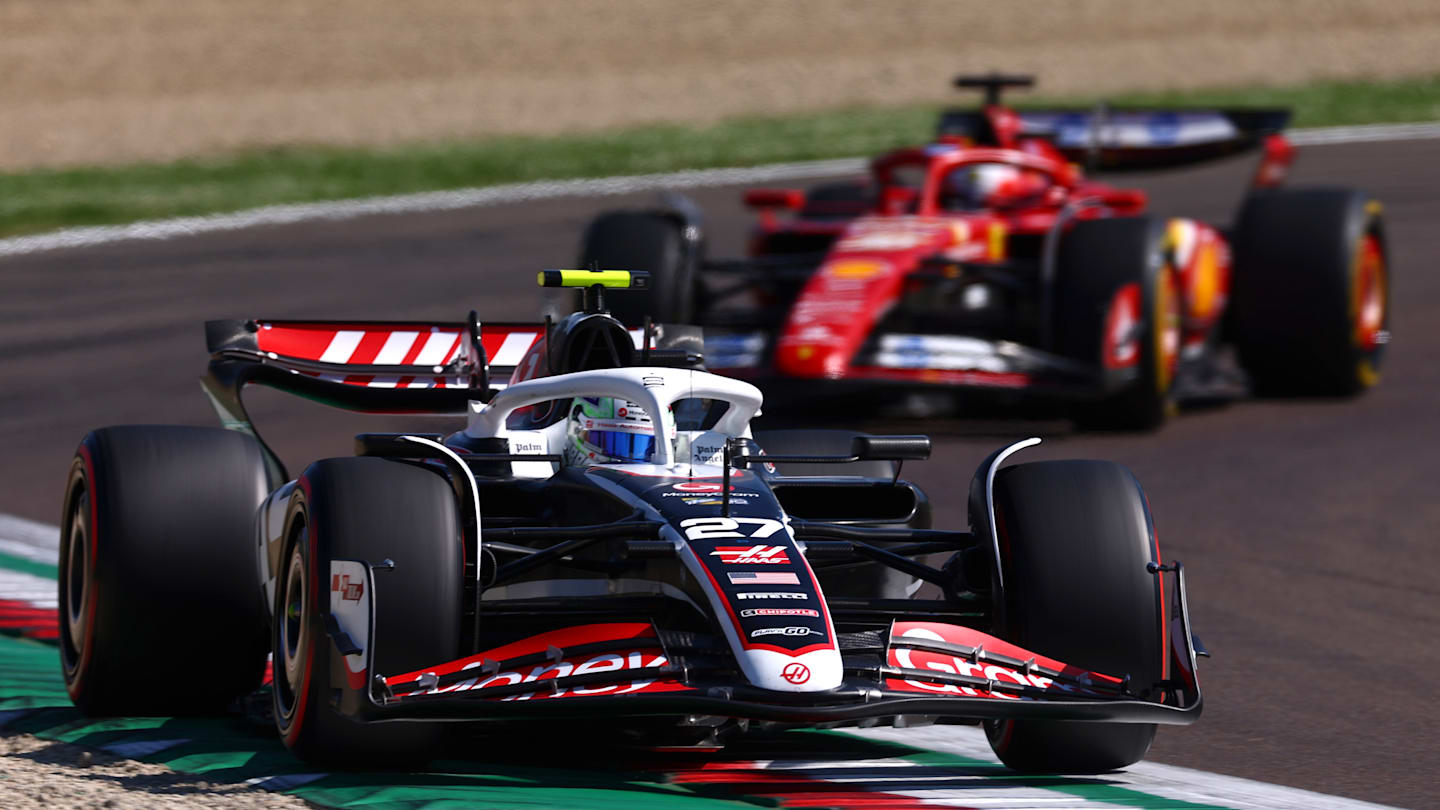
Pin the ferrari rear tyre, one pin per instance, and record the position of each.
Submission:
(650, 242)
(157, 555)
(1075, 540)
(1310, 313)
(1117, 308)
(369, 510)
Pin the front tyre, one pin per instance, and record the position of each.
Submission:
(366, 509)
(1075, 540)
(157, 555)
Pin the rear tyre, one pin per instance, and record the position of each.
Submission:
(1075, 539)
(367, 509)
(157, 554)
(650, 242)
(1117, 307)
(1311, 314)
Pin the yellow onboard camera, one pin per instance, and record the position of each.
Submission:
(615, 279)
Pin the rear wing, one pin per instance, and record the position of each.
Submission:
(370, 366)
(390, 355)
(1116, 139)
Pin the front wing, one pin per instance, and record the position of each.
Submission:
(635, 669)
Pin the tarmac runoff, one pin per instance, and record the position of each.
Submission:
(524, 192)
(882, 768)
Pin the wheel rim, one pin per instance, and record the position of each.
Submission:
(77, 569)
(292, 630)
(76, 585)
(1167, 330)
(1368, 307)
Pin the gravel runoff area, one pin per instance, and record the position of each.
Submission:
(117, 81)
(38, 774)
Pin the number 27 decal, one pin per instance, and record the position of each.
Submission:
(721, 528)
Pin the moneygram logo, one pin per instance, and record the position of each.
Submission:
(698, 486)
(751, 555)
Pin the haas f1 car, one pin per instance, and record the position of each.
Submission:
(988, 262)
(605, 539)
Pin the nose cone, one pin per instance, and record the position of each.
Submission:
(814, 671)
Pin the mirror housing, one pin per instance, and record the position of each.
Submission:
(890, 448)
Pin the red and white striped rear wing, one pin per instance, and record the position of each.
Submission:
(373, 366)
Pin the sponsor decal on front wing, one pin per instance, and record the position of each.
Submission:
(953, 664)
(635, 668)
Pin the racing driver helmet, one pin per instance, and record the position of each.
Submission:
(605, 430)
(989, 185)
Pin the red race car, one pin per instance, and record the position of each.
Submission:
(988, 261)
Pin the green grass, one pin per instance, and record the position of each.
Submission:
(36, 201)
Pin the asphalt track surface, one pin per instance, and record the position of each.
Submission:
(1309, 528)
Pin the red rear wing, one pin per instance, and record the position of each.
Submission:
(375, 366)
(391, 355)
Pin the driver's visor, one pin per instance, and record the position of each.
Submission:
(620, 445)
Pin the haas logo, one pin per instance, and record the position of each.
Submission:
(795, 672)
(751, 555)
(349, 591)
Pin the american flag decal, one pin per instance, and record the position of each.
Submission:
(763, 578)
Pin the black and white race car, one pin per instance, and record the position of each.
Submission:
(604, 538)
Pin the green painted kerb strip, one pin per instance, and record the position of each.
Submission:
(39, 569)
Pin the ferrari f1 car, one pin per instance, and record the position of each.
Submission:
(605, 539)
(986, 261)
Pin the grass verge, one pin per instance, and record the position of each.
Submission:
(41, 200)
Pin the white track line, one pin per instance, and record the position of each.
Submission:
(32, 534)
(550, 189)
(1165, 782)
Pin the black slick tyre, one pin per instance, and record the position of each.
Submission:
(1075, 540)
(157, 556)
(365, 509)
(1117, 308)
(649, 242)
(1309, 313)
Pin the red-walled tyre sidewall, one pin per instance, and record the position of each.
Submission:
(157, 559)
